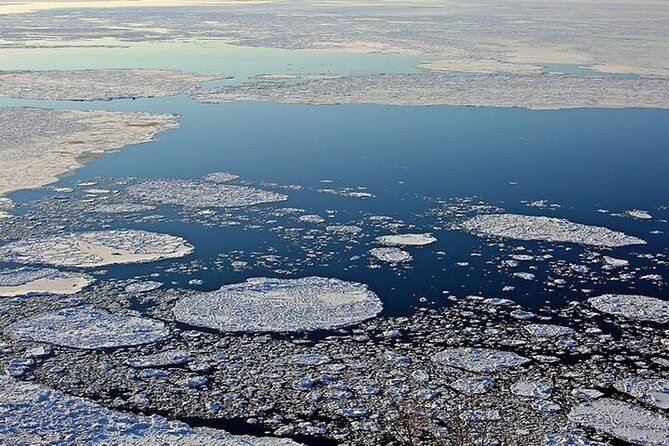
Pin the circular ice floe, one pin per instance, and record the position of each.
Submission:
(36, 281)
(547, 330)
(406, 239)
(262, 304)
(631, 306)
(650, 391)
(99, 248)
(479, 360)
(390, 255)
(623, 421)
(195, 193)
(530, 227)
(89, 328)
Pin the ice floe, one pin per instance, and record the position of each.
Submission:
(643, 308)
(197, 193)
(87, 327)
(406, 239)
(547, 330)
(33, 414)
(29, 281)
(623, 421)
(162, 359)
(648, 390)
(143, 287)
(97, 248)
(221, 177)
(479, 360)
(473, 386)
(530, 227)
(530, 388)
(390, 255)
(262, 304)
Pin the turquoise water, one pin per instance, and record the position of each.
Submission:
(409, 157)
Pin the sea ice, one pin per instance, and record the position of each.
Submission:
(479, 360)
(344, 230)
(142, 287)
(87, 327)
(262, 304)
(221, 177)
(650, 391)
(547, 330)
(473, 386)
(390, 255)
(98, 248)
(643, 308)
(530, 227)
(406, 239)
(198, 194)
(162, 359)
(623, 421)
(29, 281)
(540, 388)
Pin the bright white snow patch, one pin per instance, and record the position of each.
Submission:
(631, 306)
(262, 304)
(99, 248)
(90, 328)
(406, 239)
(35, 281)
(530, 227)
(479, 360)
(623, 421)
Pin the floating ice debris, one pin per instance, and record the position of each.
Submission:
(546, 406)
(348, 192)
(311, 218)
(31, 414)
(524, 276)
(390, 255)
(162, 359)
(143, 287)
(35, 281)
(121, 208)
(586, 394)
(638, 213)
(262, 304)
(473, 386)
(636, 307)
(614, 263)
(479, 360)
(541, 388)
(89, 328)
(649, 391)
(221, 177)
(522, 314)
(623, 421)
(406, 239)
(196, 193)
(308, 359)
(570, 440)
(547, 330)
(498, 301)
(529, 227)
(99, 248)
(344, 230)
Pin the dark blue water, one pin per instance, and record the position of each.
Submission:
(408, 157)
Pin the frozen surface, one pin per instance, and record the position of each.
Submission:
(549, 229)
(89, 328)
(91, 85)
(195, 193)
(34, 281)
(479, 360)
(390, 255)
(651, 391)
(262, 304)
(406, 239)
(97, 248)
(642, 308)
(623, 421)
(39, 145)
(33, 414)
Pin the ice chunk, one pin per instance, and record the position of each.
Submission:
(162, 359)
(87, 327)
(473, 386)
(262, 304)
(479, 360)
(547, 330)
(29, 281)
(142, 287)
(540, 388)
(390, 255)
(530, 227)
(406, 239)
(643, 308)
(650, 391)
(221, 177)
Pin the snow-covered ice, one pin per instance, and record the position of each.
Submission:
(406, 239)
(643, 308)
(648, 390)
(390, 255)
(28, 281)
(479, 360)
(547, 330)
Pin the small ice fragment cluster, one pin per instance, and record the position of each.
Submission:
(639, 214)
(473, 386)
(549, 229)
(538, 389)
(281, 305)
(121, 208)
(311, 218)
(98, 248)
(87, 327)
(33, 414)
(201, 194)
(569, 440)
(547, 330)
(650, 391)
(390, 255)
(221, 177)
(29, 281)
(642, 308)
(162, 359)
(344, 230)
(143, 287)
(406, 239)
(623, 421)
(479, 360)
